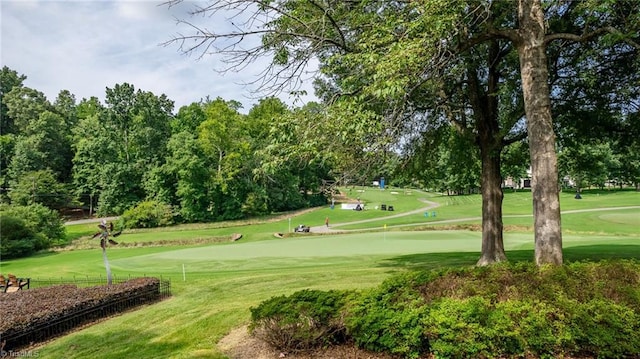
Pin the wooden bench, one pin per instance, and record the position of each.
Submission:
(14, 283)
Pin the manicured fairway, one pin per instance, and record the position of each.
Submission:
(215, 285)
(316, 250)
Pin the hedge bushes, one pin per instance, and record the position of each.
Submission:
(510, 310)
(147, 214)
(27, 229)
(307, 319)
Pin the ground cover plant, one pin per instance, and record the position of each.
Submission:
(32, 316)
(215, 285)
(578, 310)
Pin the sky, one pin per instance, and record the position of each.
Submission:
(87, 46)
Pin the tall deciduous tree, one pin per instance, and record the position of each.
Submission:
(40, 187)
(388, 56)
(8, 80)
(91, 151)
(295, 160)
(119, 145)
(44, 144)
(184, 180)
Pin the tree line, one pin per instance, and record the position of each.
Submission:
(448, 95)
(207, 161)
(493, 70)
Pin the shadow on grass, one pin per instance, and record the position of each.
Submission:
(427, 261)
(83, 345)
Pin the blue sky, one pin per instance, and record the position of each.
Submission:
(86, 46)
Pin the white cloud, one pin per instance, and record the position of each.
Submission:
(86, 46)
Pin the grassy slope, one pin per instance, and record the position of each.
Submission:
(224, 280)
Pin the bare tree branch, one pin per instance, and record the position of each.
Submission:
(276, 77)
(591, 35)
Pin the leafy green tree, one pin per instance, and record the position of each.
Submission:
(446, 162)
(188, 118)
(65, 106)
(43, 144)
(515, 161)
(24, 105)
(630, 165)
(40, 187)
(266, 193)
(218, 134)
(148, 214)
(128, 142)
(88, 107)
(223, 140)
(93, 149)
(588, 164)
(261, 118)
(9, 79)
(297, 158)
(629, 150)
(392, 71)
(185, 179)
(7, 143)
(44, 222)
(16, 239)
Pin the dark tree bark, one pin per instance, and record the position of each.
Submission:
(492, 227)
(484, 101)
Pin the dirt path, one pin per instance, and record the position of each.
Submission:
(239, 344)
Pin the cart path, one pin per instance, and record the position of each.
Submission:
(90, 220)
(324, 229)
(432, 205)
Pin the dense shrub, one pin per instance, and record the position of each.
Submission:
(16, 239)
(44, 222)
(609, 329)
(388, 318)
(476, 327)
(501, 311)
(304, 320)
(147, 214)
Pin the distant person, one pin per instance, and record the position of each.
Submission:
(326, 222)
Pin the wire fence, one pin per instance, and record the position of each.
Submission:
(43, 331)
(86, 281)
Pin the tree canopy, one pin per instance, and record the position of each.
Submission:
(450, 95)
(399, 69)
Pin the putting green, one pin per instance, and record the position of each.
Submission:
(300, 250)
(326, 250)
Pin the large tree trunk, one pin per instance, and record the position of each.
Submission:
(492, 240)
(544, 163)
(484, 101)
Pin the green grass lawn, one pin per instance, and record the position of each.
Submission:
(223, 280)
